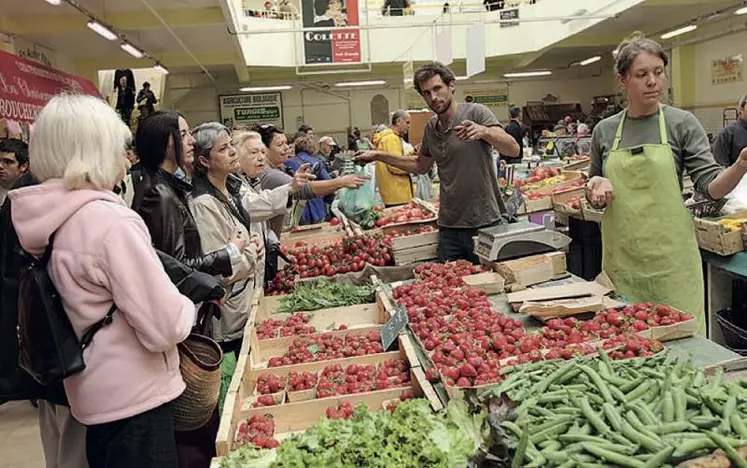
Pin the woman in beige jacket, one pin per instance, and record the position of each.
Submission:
(220, 215)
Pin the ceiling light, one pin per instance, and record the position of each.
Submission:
(54, 2)
(132, 50)
(741, 11)
(265, 88)
(591, 60)
(462, 78)
(160, 68)
(527, 74)
(679, 32)
(360, 83)
(102, 30)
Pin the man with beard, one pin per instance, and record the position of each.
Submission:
(459, 140)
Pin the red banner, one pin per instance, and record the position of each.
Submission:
(26, 86)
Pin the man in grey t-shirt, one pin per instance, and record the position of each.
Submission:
(458, 139)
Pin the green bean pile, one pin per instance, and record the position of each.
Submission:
(638, 413)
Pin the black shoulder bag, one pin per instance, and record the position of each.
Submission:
(49, 350)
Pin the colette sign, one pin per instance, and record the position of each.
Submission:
(26, 86)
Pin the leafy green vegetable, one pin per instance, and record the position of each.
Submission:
(325, 294)
(247, 455)
(412, 437)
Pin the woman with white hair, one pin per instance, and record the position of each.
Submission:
(263, 205)
(103, 257)
(220, 216)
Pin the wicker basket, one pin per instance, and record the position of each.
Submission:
(734, 335)
(199, 361)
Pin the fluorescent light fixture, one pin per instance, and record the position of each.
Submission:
(360, 83)
(741, 11)
(462, 78)
(679, 32)
(132, 50)
(102, 30)
(591, 60)
(54, 2)
(160, 68)
(528, 74)
(251, 89)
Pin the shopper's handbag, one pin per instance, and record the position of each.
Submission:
(273, 252)
(49, 349)
(200, 358)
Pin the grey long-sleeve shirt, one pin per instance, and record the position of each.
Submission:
(687, 138)
(730, 142)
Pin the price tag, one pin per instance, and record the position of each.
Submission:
(514, 202)
(392, 328)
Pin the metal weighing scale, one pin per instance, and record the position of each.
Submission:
(507, 241)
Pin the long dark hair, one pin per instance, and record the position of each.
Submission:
(153, 135)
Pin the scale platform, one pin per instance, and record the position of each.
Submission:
(508, 241)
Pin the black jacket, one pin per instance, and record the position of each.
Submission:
(15, 383)
(161, 200)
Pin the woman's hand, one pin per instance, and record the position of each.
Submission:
(238, 240)
(350, 181)
(259, 246)
(599, 191)
(301, 178)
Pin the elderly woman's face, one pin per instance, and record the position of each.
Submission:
(223, 157)
(252, 157)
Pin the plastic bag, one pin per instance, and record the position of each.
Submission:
(358, 204)
(737, 199)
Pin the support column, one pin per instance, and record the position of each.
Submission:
(682, 77)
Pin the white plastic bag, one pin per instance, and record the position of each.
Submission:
(737, 199)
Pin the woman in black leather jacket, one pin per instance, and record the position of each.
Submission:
(163, 143)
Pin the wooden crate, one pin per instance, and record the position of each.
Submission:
(269, 304)
(718, 239)
(413, 248)
(425, 207)
(560, 201)
(291, 417)
(591, 214)
(263, 350)
(527, 271)
(489, 282)
(316, 234)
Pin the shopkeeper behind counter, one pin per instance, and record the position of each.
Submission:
(459, 139)
(638, 156)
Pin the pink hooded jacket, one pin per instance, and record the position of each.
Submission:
(103, 253)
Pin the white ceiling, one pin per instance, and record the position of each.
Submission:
(654, 16)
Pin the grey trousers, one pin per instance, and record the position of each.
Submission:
(63, 438)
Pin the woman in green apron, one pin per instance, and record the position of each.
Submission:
(637, 160)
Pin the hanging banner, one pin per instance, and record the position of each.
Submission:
(26, 86)
(444, 53)
(475, 49)
(333, 45)
(249, 109)
(408, 71)
(728, 70)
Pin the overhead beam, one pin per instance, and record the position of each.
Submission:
(672, 2)
(169, 60)
(133, 20)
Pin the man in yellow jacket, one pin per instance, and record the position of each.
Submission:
(395, 186)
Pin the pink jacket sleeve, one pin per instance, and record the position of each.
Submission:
(145, 297)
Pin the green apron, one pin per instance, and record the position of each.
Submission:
(649, 247)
